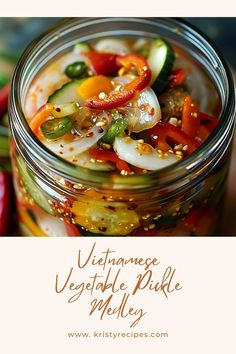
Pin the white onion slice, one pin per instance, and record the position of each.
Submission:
(50, 225)
(69, 150)
(147, 113)
(127, 150)
(111, 45)
(198, 84)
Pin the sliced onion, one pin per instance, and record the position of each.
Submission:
(111, 45)
(50, 225)
(76, 147)
(84, 160)
(147, 113)
(198, 84)
(127, 150)
(50, 79)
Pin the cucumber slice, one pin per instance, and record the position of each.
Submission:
(32, 188)
(161, 59)
(111, 219)
(67, 93)
(81, 47)
(84, 160)
(86, 232)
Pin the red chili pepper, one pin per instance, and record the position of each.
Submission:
(103, 63)
(71, 230)
(4, 92)
(162, 134)
(5, 202)
(107, 156)
(123, 166)
(196, 217)
(129, 90)
(190, 117)
(207, 125)
(176, 78)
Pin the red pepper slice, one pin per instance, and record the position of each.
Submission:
(129, 90)
(5, 202)
(190, 117)
(4, 92)
(123, 166)
(163, 133)
(71, 230)
(176, 78)
(106, 156)
(199, 217)
(103, 63)
(207, 125)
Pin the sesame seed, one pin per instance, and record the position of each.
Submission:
(102, 95)
(78, 186)
(152, 226)
(179, 153)
(100, 124)
(106, 146)
(185, 148)
(123, 173)
(92, 160)
(157, 217)
(178, 147)
(173, 121)
(145, 217)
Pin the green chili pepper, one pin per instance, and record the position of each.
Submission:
(56, 128)
(4, 79)
(4, 131)
(144, 52)
(115, 130)
(9, 56)
(4, 146)
(76, 70)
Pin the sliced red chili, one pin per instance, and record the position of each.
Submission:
(5, 202)
(123, 166)
(176, 78)
(190, 117)
(103, 155)
(103, 63)
(71, 230)
(163, 134)
(129, 90)
(4, 92)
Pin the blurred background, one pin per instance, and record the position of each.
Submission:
(17, 33)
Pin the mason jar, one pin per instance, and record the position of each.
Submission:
(56, 198)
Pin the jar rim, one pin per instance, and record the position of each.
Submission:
(165, 176)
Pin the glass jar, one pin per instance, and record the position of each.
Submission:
(55, 198)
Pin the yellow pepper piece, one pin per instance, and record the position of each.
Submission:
(94, 86)
(28, 221)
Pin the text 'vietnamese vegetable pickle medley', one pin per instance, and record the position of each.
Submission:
(126, 107)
